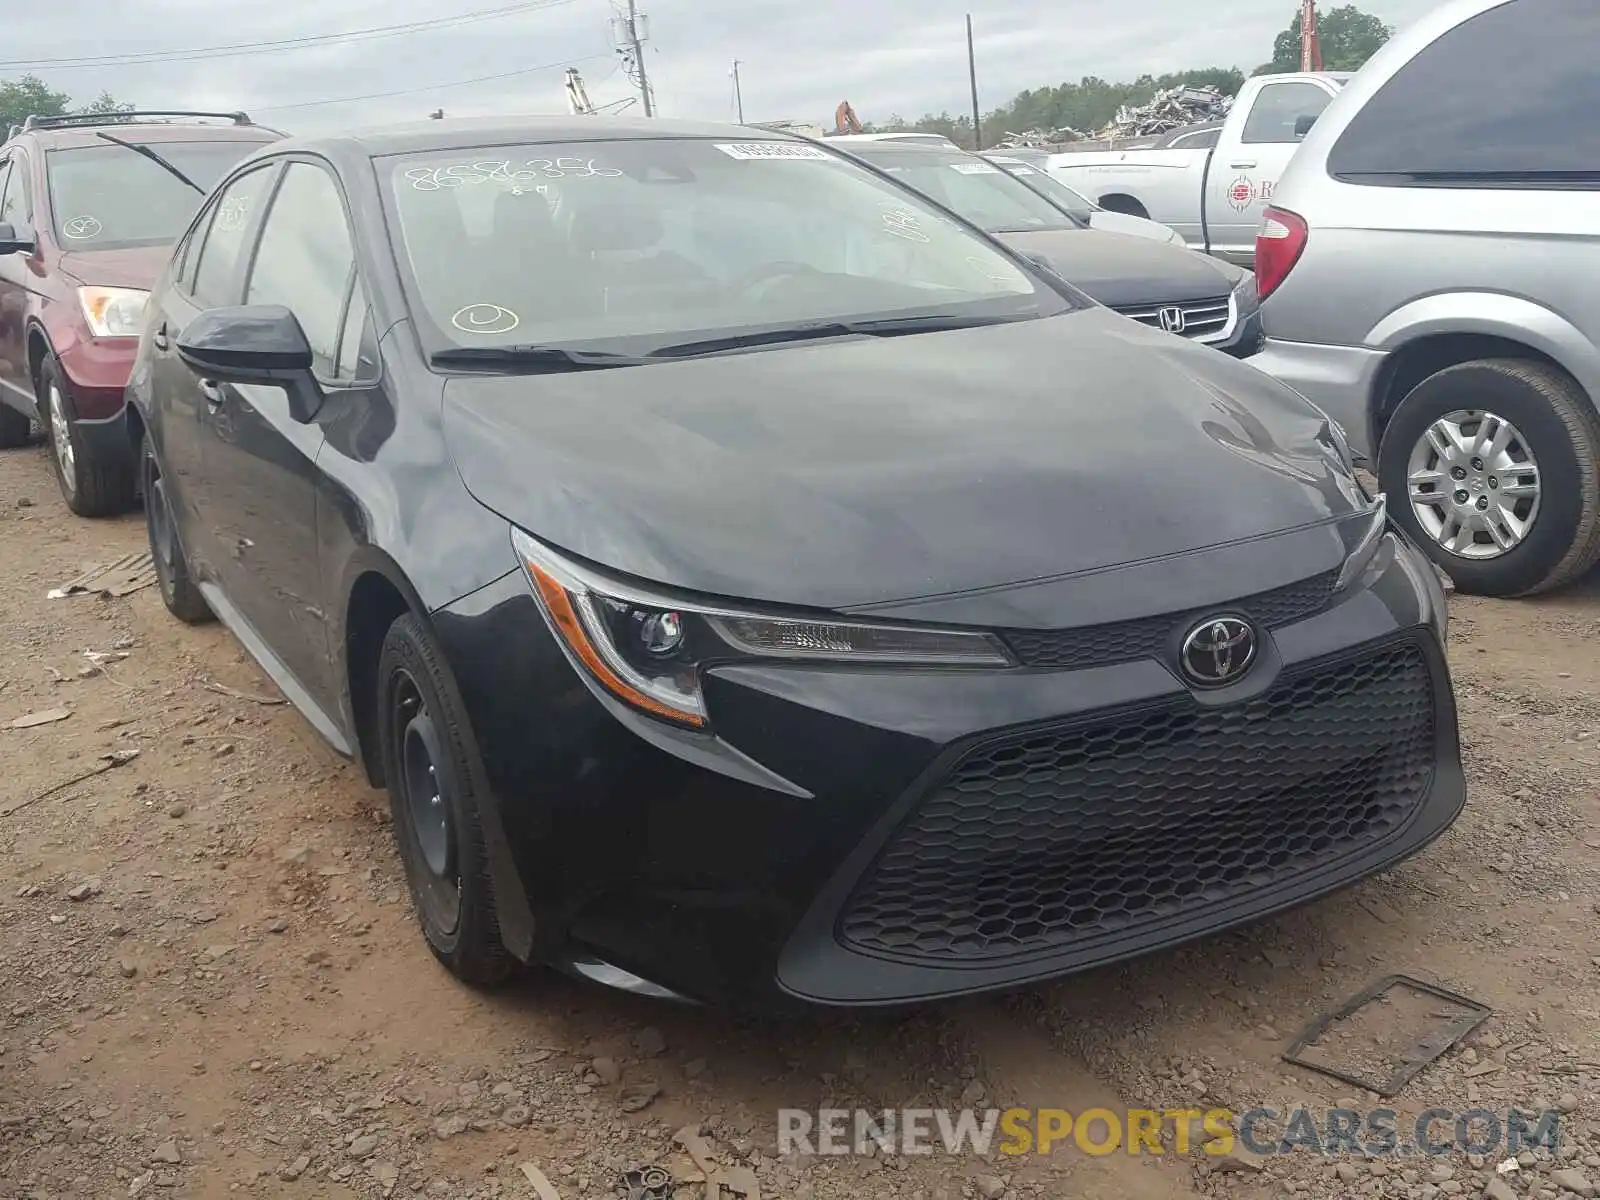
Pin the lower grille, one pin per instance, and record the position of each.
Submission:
(1041, 840)
(1199, 318)
(1124, 641)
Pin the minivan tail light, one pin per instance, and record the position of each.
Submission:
(1280, 242)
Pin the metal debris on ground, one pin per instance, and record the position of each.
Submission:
(48, 717)
(106, 762)
(1040, 139)
(647, 1183)
(1169, 110)
(1398, 1025)
(223, 689)
(129, 574)
(542, 1186)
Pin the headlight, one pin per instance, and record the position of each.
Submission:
(649, 650)
(113, 312)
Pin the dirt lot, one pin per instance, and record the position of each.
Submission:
(210, 982)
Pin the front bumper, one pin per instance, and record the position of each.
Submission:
(830, 845)
(1339, 380)
(95, 372)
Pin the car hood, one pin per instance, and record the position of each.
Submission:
(133, 267)
(855, 473)
(1120, 270)
(1115, 222)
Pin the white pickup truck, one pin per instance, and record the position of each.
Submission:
(1211, 190)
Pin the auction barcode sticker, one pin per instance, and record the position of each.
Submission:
(975, 168)
(751, 151)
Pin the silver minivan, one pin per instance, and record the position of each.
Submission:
(1429, 269)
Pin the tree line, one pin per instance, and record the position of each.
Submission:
(29, 97)
(1347, 35)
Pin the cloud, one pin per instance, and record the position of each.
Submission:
(798, 59)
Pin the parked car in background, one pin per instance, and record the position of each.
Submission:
(1429, 263)
(89, 208)
(1213, 196)
(904, 137)
(1167, 287)
(751, 580)
(1079, 205)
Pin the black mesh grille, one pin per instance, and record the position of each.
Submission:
(1040, 840)
(1123, 641)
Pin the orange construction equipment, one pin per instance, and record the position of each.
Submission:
(1310, 47)
(845, 119)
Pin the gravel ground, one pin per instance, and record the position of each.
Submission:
(210, 983)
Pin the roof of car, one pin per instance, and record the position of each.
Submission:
(472, 132)
(907, 149)
(85, 133)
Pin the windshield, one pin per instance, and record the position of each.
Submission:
(1051, 188)
(107, 197)
(635, 245)
(974, 187)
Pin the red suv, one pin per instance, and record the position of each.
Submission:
(89, 209)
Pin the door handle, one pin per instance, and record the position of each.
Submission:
(159, 338)
(1243, 166)
(212, 392)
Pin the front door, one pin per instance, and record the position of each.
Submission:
(18, 276)
(207, 272)
(261, 464)
(1245, 172)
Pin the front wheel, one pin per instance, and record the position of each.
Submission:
(429, 766)
(1493, 468)
(96, 480)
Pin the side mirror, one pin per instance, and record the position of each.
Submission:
(15, 240)
(1302, 126)
(257, 343)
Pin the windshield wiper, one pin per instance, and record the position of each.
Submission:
(882, 327)
(549, 358)
(153, 157)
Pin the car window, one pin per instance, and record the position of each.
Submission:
(107, 196)
(1203, 140)
(216, 275)
(644, 243)
(305, 257)
(16, 208)
(1457, 115)
(976, 189)
(358, 346)
(1279, 107)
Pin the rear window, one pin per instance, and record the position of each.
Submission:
(1505, 99)
(108, 197)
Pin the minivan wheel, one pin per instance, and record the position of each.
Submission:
(178, 590)
(429, 767)
(94, 482)
(1493, 468)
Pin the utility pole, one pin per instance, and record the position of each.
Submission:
(636, 43)
(972, 76)
(738, 94)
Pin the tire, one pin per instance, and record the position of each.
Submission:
(1553, 535)
(178, 590)
(15, 428)
(94, 482)
(430, 767)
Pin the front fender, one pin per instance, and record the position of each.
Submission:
(1492, 314)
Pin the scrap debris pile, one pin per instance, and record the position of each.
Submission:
(1169, 110)
(1166, 111)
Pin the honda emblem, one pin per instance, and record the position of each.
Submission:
(1171, 319)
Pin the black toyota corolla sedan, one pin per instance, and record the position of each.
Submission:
(1164, 286)
(751, 582)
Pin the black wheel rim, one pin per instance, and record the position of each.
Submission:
(426, 787)
(163, 538)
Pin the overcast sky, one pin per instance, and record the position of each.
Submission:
(799, 58)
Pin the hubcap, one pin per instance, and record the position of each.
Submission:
(424, 786)
(1474, 484)
(61, 439)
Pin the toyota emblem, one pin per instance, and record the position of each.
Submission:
(1218, 651)
(1171, 319)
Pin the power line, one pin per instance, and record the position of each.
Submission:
(201, 53)
(433, 87)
